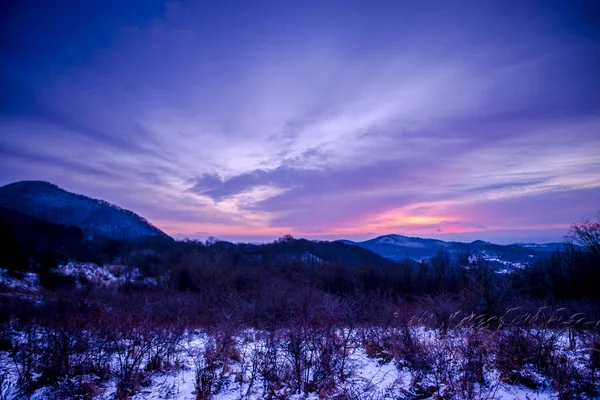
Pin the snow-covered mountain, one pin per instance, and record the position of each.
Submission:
(49, 202)
(399, 247)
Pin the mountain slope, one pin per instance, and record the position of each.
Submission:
(398, 247)
(310, 250)
(48, 202)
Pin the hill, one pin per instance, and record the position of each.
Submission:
(399, 247)
(50, 203)
(318, 251)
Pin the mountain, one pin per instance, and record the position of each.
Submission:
(320, 251)
(96, 218)
(398, 247)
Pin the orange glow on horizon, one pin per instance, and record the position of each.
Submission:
(386, 223)
(420, 219)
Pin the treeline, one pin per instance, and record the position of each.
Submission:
(267, 290)
(266, 282)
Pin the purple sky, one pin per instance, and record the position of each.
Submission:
(247, 120)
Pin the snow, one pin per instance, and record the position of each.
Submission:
(99, 274)
(508, 392)
(311, 258)
(400, 241)
(84, 273)
(370, 378)
(495, 258)
(405, 241)
(24, 281)
(104, 275)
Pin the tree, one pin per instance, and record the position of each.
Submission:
(285, 239)
(587, 235)
(441, 263)
(211, 241)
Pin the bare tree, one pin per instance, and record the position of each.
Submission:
(587, 235)
(441, 264)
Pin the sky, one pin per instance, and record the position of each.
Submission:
(247, 120)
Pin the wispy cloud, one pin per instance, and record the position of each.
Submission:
(407, 118)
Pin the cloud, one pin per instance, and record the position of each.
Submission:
(231, 122)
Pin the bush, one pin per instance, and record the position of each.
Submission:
(206, 364)
(514, 351)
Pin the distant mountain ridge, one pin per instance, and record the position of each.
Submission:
(51, 203)
(399, 247)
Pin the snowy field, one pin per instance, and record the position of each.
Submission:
(255, 365)
(94, 349)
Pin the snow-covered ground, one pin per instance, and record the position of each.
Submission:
(493, 258)
(365, 378)
(83, 274)
(21, 281)
(105, 275)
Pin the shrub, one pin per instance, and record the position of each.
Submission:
(513, 353)
(206, 364)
